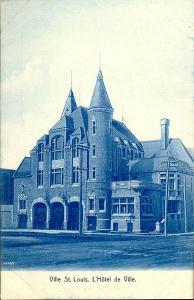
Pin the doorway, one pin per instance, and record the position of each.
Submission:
(73, 216)
(39, 216)
(56, 216)
(92, 222)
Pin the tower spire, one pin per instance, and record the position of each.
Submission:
(100, 97)
(70, 104)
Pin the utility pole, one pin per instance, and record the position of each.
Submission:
(185, 208)
(166, 198)
(80, 199)
(81, 148)
(171, 162)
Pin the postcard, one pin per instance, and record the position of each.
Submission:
(97, 149)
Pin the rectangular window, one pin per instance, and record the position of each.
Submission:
(41, 152)
(123, 208)
(146, 205)
(91, 204)
(93, 173)
(93, 127)
(75, 149)
(130, 205)
(57, 176)
(22, 204)
(93, 150)
(172, 206)
(123, 205)
(40, 178)
(101, 204)
(163, 180)
(171, 184)
(75, 175)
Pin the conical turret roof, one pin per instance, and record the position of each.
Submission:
(100, 97)
(70, 104)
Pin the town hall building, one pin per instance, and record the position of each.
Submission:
(90, 171)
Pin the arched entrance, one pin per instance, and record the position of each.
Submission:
(39, 216)
(73, 216)
(56, 216)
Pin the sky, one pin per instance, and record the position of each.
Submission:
(144, 48)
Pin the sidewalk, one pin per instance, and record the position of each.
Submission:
(72, 233)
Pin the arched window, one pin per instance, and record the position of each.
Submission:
(93, 125)
(57, 148)
(75, 150)
(41, 152)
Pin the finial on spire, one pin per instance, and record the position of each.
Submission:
(99, 58)
(79, 99)
(122, 117)
(71, 81)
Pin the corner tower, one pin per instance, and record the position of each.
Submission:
(100, 115)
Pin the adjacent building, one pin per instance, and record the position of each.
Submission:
(90, 167)
(6, 198)
(168, 161)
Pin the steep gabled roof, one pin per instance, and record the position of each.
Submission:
(70, 104)
(157, 164)
(175, 147)
(191, 153)
(151, 147)
(120, 130)
(64, 122)
(24, 169)
(80, 118)
(100, 97)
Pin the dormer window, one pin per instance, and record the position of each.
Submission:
(75, 150)
(41, 152)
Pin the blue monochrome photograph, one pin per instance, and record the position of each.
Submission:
(96, 195)
(97, 149)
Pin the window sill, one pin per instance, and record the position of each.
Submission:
(56, 185)
(75, 184)
(40, 187)
(144, 214)
(122, 214)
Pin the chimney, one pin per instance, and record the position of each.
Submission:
(164, 123)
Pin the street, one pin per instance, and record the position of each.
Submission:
(47, 252)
